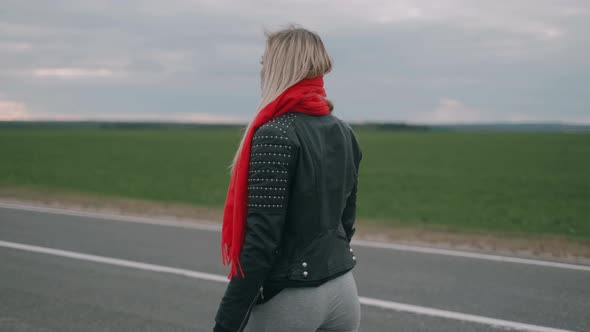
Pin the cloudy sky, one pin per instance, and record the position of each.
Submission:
(421, 61)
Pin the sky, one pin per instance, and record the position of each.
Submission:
(421, 61)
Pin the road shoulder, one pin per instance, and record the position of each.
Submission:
(548, 247)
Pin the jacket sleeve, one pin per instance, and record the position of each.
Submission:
(272, 162)
(349, 213)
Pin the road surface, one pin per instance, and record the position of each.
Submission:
(73, 271)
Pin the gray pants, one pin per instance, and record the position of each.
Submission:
(333, 306)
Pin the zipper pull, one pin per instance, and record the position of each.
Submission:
(262, 292)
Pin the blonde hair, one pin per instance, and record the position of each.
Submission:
(291, 55)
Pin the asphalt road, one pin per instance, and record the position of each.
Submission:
(42, 289)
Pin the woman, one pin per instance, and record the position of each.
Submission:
(291, 203)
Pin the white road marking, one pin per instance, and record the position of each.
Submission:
(113, 261)
(211, 226)
(467, 254)
(499, 323)
(203, 225)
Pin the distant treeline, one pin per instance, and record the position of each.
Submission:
(112, 125)
(158, 125)
(389, 126)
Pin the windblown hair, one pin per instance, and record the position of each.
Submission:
(291, 55)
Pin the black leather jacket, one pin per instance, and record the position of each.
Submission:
(303, 177)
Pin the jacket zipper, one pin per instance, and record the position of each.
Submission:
(250, 309)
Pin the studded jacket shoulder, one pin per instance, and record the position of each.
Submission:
(302, 186)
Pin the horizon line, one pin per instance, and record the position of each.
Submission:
(361, 122)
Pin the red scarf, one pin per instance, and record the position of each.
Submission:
(304, 96)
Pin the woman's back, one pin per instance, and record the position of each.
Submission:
(319, 207)
(303, 182)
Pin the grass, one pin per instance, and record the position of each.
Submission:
(535, 183)
(517, 182)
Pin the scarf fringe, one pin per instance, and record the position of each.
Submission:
(235, 263)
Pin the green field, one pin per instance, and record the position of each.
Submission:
(514, 182)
